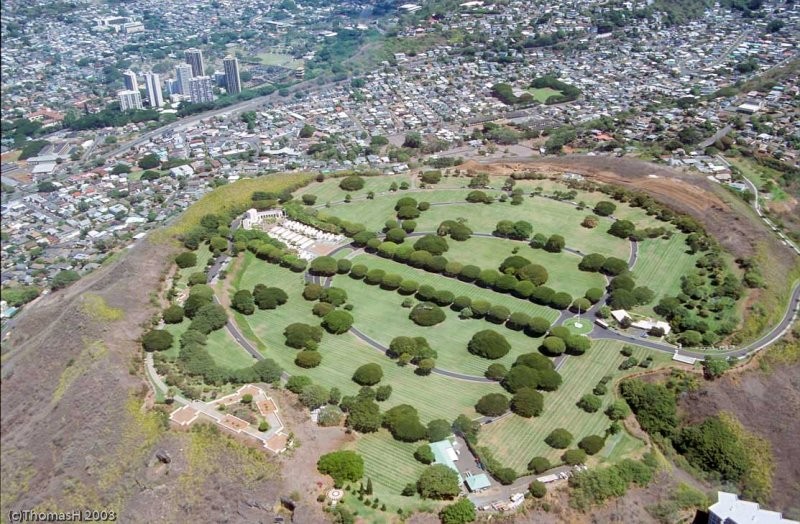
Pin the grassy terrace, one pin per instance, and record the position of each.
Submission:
(547, 216)
(374, 306)
(562, 268)
(516, 440)
(542, 94)
(433, 396)
(391, 465)
(662, 263)
(329, 191)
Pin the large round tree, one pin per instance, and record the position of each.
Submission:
(368, 375)
(489, 344)
(427, 314)
(492, 405)
(438, 482)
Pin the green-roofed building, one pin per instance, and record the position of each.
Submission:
(445, 454)
(478, 482)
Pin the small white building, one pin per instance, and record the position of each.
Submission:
(730, 510)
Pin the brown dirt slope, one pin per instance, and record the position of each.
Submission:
(767, 404)
(72, 429)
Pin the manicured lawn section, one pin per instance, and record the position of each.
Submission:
(379, 314)
(457, 287)
(662, 263)
(619, 446)
(176, 330)
(391, 465)
(433, 396)
(542, 94)
(547, 216)
(562, 268)
(203, 256)
(329, 191)
(226, 352)
(343, 253)
(515, 440)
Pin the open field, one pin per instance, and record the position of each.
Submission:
(433, 396)
(662, 263)
(226, 352)
(562, 268)
(546, 215)
(516, 440)
(543, 93)
(391, 465)
(278, 59)
(329, 191)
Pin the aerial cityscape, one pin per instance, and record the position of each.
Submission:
(384, 262)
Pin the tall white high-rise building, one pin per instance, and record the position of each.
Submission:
(233, 83)
(183, 73)
(152, 83)
(194, 57)
(129, 100)
(201, 89)
(129, 77)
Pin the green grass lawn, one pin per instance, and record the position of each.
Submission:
(226, 352)
(516, 440)
(203, 256)
(329, 191)
(547, 216)
(433, 396)
(176, 330)
(379, 314)
(391, 465)
(662, 263)
(278, 59)
(562, 268)
(543, 93)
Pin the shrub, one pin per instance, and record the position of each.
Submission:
(559, 438)
(460, 302)
(433, 244)
(364, 415)
(186, 259)
(368, 374)
(403, 423)
(539, 465)
(519, 377)
(560, 300)
(358, 271)
(527, 402)
(506, 476)
(173, 315)
(577, 344)
(383, 393)
(438, 482)
(334, 296)
(337, 322)
(470, 273)
(590, 403)
(534, 273)
(408, 287)
(460, 512)
(604, 208)
(427, 314)
(554, 346)
(425, 367)
(443, 297)
(574, 457)
(296, 383)
(312, 291)
(653, 404)
(492, 405)
(535, 361)
(352, 183)
(537, 326)
(343, 466)
(549, 380)
(594, 294)
(330, 416)
(497, 314)
(496, 372)
(592, 444)
(300, 336)
(537, 489)
(488, 344)
(243, 302)
(424, 454)
(269, 297)
(375, 276)
(321, 309)
(326, 266)
(438, 429)
(314, 396)
(157, 340)
(308, 359)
